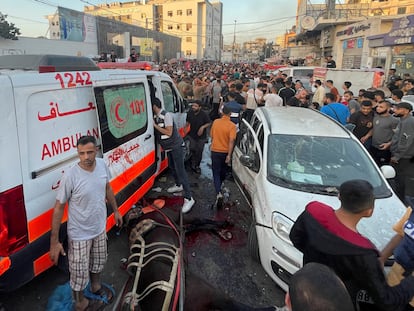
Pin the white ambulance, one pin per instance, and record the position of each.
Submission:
(47, 103)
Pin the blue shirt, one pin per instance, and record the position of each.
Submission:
(337, 111)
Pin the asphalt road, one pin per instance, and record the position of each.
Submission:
(224, 264)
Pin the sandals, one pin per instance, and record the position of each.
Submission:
(99, 299)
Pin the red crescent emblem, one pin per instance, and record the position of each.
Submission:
(117, 116)
(119, 112)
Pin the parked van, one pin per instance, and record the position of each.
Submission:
(301, 73)
(48, 102)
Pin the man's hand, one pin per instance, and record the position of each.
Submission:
(200, 131)
(118, 219)
(55, 251)
(385, 146)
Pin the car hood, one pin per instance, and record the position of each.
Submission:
(291, 203)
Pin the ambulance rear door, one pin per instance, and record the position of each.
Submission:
(127, 136)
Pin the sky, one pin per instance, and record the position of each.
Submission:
(243, 19)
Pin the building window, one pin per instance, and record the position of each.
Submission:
(169, 13)
(170, 27)
(143, 15)
(178, 27)
(179, 12)
(189, 26)
(189, 39)
(189, 12)
(188, 52)
(402, 10)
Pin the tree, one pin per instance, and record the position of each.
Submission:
(8, 31)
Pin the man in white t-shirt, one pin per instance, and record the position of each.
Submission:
(272, 99)
(85, 187)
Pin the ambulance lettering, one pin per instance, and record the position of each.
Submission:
(64, 144)
(54, 111)
(122, 152)
(68, 80)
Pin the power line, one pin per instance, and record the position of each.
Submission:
(27, 19)
(47, 3)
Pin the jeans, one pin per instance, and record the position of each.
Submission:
(176, 164)
(219, 167)
(381, 157)
(196, 147)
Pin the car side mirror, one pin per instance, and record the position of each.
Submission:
(247, 161)
(388, 171)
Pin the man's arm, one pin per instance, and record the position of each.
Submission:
(202, 128)
(298, 234)
(110, 197)
(164, 131)
(367, 136)
(389, 248)
(56, 248)
(231, 147)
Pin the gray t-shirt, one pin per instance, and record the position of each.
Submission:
(383, 129)
(353, 104)
(86, 193)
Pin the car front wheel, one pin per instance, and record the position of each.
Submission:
(253, 244)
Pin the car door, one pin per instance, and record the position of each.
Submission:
(248, 156)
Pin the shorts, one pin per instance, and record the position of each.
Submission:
(395, 276)
(85, 257)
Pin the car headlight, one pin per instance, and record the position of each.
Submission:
(281, 226)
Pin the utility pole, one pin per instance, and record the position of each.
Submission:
(233, 51)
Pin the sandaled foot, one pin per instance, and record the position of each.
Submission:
(106, 293)
(99, 299)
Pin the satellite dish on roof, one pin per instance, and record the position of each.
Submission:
(308, 22)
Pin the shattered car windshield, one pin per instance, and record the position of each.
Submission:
(319, 164)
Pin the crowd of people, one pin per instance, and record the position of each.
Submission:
(385, 126)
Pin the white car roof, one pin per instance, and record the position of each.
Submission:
(301, 121)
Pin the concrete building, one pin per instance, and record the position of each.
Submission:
(358, 33)
(108, 34)
(197, 22)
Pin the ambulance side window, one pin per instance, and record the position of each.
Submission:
(172, 101)
(123, 113)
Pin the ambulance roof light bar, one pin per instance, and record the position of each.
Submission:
(47, 63)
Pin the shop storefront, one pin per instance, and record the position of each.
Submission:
(401, 39)
(352, 46)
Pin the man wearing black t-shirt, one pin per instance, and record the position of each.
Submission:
(287, 92)
(134, 56)
(330, 63)
(199, 121)
(363, 121)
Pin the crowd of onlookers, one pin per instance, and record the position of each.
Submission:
(383, 122)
